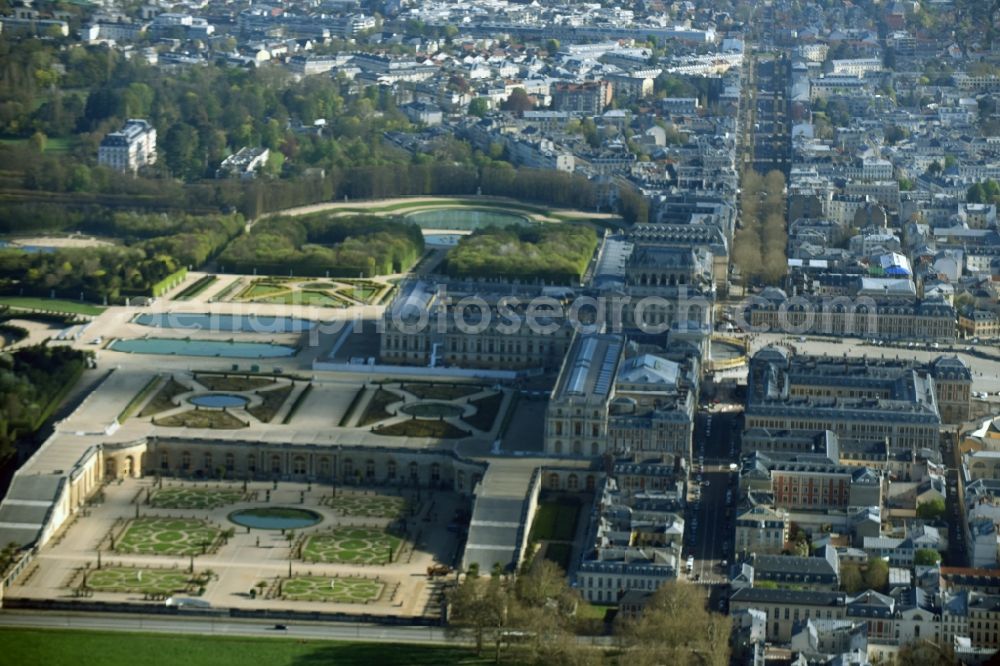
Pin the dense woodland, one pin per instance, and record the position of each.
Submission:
(56, 104)
(154, 247)
(32, 381)
(356, 246)
(553, 253)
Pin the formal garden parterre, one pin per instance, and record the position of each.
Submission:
(125, 579)
(331, 589)
(368, 506)
(167, 536)
(352, 545)
(185, 497)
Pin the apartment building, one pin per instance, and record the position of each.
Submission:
(589, 98)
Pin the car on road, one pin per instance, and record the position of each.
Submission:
(280, 627)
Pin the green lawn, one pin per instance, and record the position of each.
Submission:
(34, 647)
(51, 305)
(201, 285)
(53, 144)
(556, 520)
(559, 553)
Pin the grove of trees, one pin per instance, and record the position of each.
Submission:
(984, 193)
(154, 246)
(322, 244)
(533, 618)
(553, 253)
(32, 381)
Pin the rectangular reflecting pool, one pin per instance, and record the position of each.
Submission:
(244, 323)
(221, 348)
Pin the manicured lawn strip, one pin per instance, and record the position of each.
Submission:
(298, 403)
(139, 398)
(375, 411)
(351, 407)
(556, 520)
(92, 648)
(201, 285)
(51, 305)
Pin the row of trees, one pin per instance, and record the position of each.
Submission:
(759, 248)
(323, 244)
(52, 178)
(551, 253)
(31, 379)
(533, 618)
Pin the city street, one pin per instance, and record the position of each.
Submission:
(709, 525)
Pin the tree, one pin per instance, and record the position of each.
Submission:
(479, 106)
(180, 150)
(932, 510)
(924, 654)
(37, 141)
(926, 557)
(518, 102)
(479, 605)
(676, 628)
(877, 574)
(850, 579)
